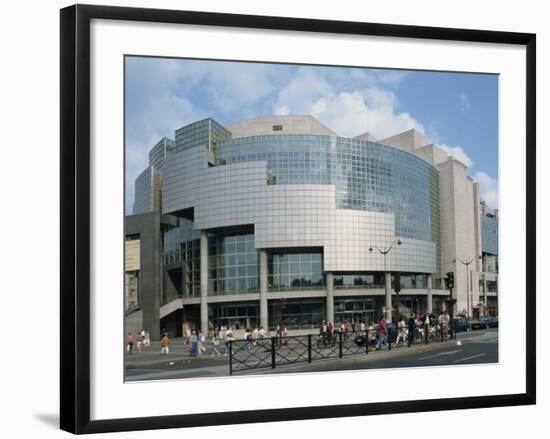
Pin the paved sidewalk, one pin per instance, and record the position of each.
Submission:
(179, 353)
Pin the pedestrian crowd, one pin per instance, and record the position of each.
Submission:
(408, 331)
(140, 340)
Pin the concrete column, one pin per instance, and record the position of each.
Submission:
(263, 290)
(429, 304)
(387, 277)
(330, 297)
(204, 283)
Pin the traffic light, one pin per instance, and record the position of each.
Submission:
(396, 283)
(450, 280)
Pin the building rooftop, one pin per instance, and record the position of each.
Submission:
(285, 124)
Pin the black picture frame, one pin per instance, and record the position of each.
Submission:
(75, 217)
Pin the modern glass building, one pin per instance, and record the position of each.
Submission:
(278, 220)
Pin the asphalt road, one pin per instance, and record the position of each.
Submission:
(475, 348)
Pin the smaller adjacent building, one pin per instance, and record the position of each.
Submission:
(489, 247)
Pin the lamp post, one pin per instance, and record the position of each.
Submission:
(483, 268)
(384, 252)
(469, 298)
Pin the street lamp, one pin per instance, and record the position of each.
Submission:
(385, 252)
(469, 298)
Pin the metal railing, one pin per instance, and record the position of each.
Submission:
(278, 351)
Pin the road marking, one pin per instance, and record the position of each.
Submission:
(440, 354)
(469, 358)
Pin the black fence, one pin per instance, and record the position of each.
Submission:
(278, 351)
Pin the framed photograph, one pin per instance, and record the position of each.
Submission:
(274, 218)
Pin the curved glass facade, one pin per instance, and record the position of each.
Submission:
(367, 176)
(143, 192)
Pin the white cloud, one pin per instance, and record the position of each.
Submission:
(373, 110)
(488, 188)
(465, 104)
(298, 96)
(233, 87)
(458, 153)
(390, 77)
(347, 112)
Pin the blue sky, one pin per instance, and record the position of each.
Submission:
(458, 111)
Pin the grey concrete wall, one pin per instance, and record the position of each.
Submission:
(147, 225)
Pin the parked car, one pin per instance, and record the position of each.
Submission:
(461, 324)
(484, 323)
(477, 324)
(489, 322)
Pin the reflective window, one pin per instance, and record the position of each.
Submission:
(295, 271)
(181, 248)
(358, 280)
(238, 316)
(355, 309)
(295, 314)
(408, 281)
(235, 264)
(489, 235)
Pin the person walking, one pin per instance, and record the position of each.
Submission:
(323, 333)
(228, 339)
(401, 331)
(330, 332)
(382, 341)
(146, 339)
(285, 337)
(164, 344)
(255, 335)
(427, 326)
(248, 339)
(186, 335)
(215, 344)
(139, 341)
(353, 325)
(202, 343)
(130, 343)
(445, 325)
(193, 344)
(411, 327)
